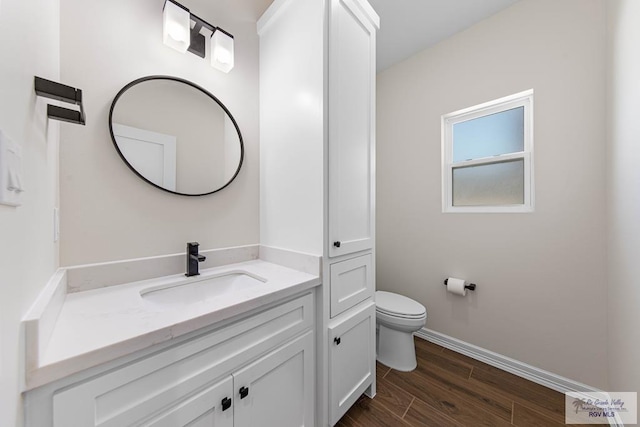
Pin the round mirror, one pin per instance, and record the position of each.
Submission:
(176, 136)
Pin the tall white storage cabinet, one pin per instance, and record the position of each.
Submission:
(317, 158)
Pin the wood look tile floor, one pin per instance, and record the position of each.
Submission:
(449, 389)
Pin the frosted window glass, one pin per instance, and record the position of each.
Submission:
(489, 184)
(499, 133)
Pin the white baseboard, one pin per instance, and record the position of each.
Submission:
(521, 369)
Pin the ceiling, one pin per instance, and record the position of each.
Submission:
(409, 26)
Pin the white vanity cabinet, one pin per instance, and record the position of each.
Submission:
(258, 371)
(317, 157)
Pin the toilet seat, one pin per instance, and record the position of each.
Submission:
(399, 306)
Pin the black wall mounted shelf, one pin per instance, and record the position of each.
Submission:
(64, 93)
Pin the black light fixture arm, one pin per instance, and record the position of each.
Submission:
(202, 23)
(197, 44)
(194, 18)
(59, 92)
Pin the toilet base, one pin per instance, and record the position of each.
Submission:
(396, 349)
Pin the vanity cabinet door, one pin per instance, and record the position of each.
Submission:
(210, 408)
(278, 389)
(352, 358)
(351, 128)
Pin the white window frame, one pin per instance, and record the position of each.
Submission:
(522, 99)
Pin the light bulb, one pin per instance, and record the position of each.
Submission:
(223, 56)
(176, 32)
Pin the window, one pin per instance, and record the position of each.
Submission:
(487, 162)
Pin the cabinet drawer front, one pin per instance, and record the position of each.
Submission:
(351, 283)
(143, 389)
(351, 358)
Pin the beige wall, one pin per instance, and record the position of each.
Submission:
(107, 212)
(541, 294)
(624, 194)
(29, 46)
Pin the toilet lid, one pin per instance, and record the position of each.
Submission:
(398, 305)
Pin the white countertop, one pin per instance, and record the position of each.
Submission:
(97, 326)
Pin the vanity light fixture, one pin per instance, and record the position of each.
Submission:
(179, 34)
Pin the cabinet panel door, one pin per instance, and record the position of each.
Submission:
(351, 283)
(278, 389)
(351, 129)
(351, 359)
(203, 409)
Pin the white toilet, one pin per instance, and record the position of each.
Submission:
(397, 318)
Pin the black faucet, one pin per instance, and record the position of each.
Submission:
(193, 258)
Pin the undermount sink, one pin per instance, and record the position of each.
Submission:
(202, 289)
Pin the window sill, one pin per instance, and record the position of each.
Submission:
(488, 209)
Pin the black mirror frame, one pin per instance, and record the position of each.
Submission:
(195, 86)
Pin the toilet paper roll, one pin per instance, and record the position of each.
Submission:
(456, 286)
